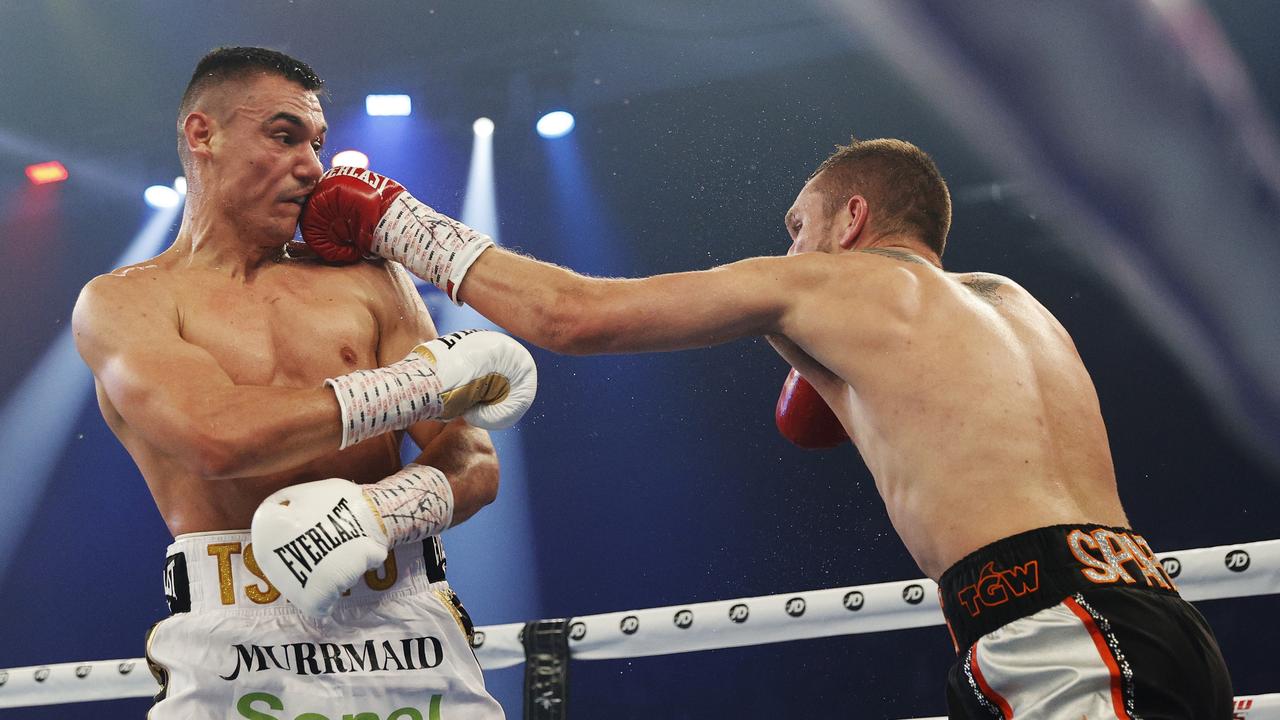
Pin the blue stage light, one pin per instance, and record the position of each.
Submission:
(482, 127)
(388, 105)
(555, 124)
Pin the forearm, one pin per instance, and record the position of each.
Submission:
(571, 314)
(246, 431)
(568, 313)
(528, 298)
(466, 457)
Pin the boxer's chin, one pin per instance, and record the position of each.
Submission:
(283, 226)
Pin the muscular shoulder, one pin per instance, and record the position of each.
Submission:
(883, 280)
(131, 305)
(989, 287)
(390, 287)
(133, 291)
(863, 294)
(861, 265)
(1009, 299)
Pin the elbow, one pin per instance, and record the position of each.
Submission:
(475, 488)
(209, 460)
(487, 477)
(565, 335)
(487, 488)
(471, 461)
(214, 456)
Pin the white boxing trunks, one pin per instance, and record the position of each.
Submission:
(395, 647)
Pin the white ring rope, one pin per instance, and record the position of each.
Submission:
(1226, 571)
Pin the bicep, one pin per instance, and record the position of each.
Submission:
(151, 375)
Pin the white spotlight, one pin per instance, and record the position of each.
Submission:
(180, 184)
(387, 104)
(554, 124)
(482, 127)
(161, 196)
(350, 158)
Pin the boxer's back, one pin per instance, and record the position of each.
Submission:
(293, 325)
(969, 404)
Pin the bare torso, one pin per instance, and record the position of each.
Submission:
(967, 400)
(293, 324)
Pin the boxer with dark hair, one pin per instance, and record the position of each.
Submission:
(965, 397)
(264, 398)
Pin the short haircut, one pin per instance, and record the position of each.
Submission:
(236, 63)
(898, 179)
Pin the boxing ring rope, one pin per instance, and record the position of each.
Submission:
(1227, 571)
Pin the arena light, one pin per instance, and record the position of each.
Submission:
(555, 124)
(350, 158)
(46, 172)
(180, 184)
(482, 127)
(161, 196)
(388, 105)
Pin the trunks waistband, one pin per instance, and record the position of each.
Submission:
(1033, 570)
(217, 571)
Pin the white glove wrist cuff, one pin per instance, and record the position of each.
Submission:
(389, 398)
(414, 503)
(432, 246)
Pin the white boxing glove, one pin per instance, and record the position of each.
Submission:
(490, 380)
(315, 540)
(482, 376)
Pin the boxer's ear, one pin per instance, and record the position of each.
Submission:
(855, 222)
(197, 133)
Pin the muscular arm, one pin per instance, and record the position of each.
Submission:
(568, 313)
(176, 397)
(463, 453)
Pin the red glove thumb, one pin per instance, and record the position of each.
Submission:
(804, 418)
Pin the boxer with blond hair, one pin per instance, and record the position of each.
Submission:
(965, 397)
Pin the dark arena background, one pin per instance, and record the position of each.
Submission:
(1118, 159)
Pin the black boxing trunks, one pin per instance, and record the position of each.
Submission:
(1077, 621)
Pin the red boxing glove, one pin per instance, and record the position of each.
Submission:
(340, 216)
(354, 212)
(804, 418)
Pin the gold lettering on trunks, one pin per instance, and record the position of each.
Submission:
(261, 597)
(226, 584)
(388, 577)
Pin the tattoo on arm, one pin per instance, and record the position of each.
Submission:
(986, 287)
(896, 254)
